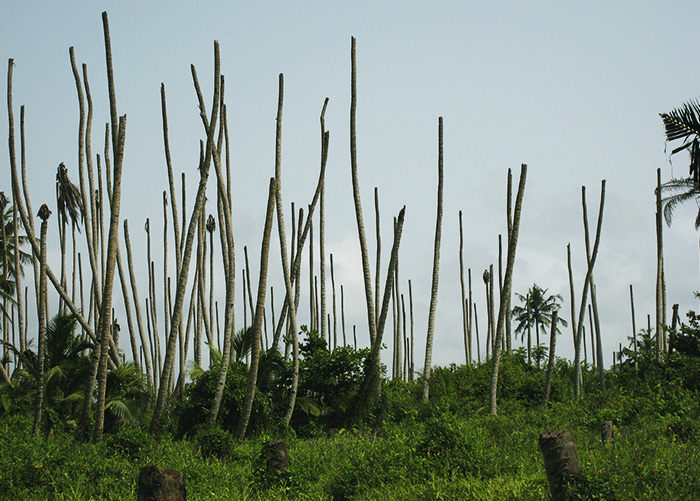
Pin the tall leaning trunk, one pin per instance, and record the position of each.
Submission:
(180, 290)
(660, 333)
(507, 285)
(586, 284)
(465, 319)
(550, 363)
(105, 325)
(594, 299)
(258, 318)
(285, 259)
(228, 251)
(370, 391)
(366, 271)
(44, 214)
(436, 272)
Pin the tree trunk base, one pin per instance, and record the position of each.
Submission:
(161, 484)
(606, 432)
(560, 461)
(276, 457)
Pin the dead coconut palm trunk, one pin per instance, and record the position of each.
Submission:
(366, 271)
(19, 188)
(586, 284)
(228, 251)
(187, 250)
(139, 319)
(594, 300)
(507, 285)
(660, 332)
(370, 391)
(574, 324)
(259, 313)
(465, 320)
(550, 363)
(44, 214)
(301, 239)
(105, 325)
(285, 259)
(436, 271)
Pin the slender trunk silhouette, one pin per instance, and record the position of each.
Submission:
(436, 271)
(507, 284)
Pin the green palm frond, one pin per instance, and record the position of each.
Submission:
(683, 122)
(676, 192)
(120, 409)
(243, 343)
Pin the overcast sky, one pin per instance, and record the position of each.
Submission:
(572, 89)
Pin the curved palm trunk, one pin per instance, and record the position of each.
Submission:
(187, 250)
(370, 391)
(509, 217)
(574, 325)
(461, 283)
(366, 272)
(259, 313)
(586, 283)
(507, 285)
(436, 270)
(19, 187)
(105, 326)
(285, 260)
(550, 363)
(44, 214)
(139, 320)
(660, 332)
(227, 250)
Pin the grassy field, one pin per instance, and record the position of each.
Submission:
(438, 452)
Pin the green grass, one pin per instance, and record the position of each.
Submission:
(655, 456)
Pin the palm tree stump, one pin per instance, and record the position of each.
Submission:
(606, 432)
(160, 484)
(560, 462)
(276, 457)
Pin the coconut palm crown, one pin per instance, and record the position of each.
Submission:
(536, 312)
(683, 124)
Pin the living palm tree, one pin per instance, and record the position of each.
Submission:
(683, 124)
(536, 312)
(70, 206)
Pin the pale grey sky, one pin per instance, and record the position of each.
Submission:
(573, 89)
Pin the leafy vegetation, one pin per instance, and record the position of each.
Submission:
(446, 448)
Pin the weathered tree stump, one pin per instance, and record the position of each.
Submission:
(560, 462)
(161, 484)
(606, 432)
(276, 457)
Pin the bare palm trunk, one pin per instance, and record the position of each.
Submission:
(586, 284)
(105, 326)
(436, 271)
(660, 334)
(574, 325)
(461, 282)
(44, 214)
(259, 312)
(187, 250)
(285, 259)
(507, 284)
(550, 363)
(509, 217)
(634, 327)
(369, 299)
(370, 391)
(228, 251)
